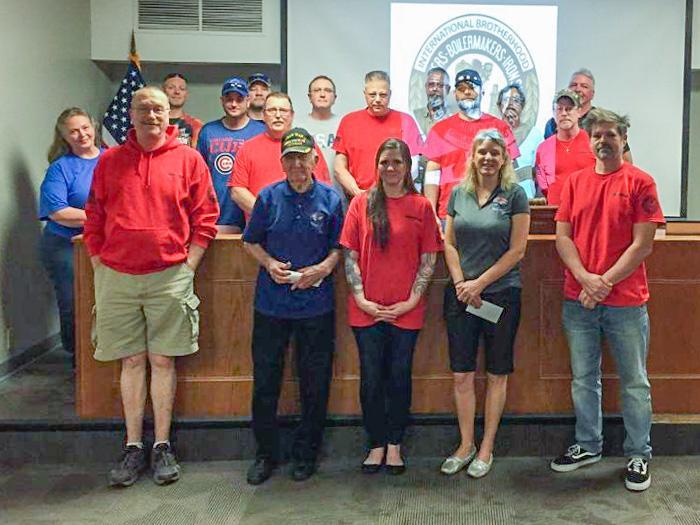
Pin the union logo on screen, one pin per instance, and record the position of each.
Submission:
(490, 47)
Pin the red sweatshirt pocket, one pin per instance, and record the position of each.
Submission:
(142, 250)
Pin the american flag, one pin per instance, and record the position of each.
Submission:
(116, 121)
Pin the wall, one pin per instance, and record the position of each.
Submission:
(45, 50)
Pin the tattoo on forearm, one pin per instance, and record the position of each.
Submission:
(352, 271)
(425, 272)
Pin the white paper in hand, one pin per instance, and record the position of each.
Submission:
(489, 311)
(295, 276)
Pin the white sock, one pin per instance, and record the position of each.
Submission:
(138, 444)
(167, 442)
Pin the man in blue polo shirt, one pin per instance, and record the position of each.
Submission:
(293, 233)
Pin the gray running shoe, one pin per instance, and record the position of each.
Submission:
(164, 464)
(130, 466)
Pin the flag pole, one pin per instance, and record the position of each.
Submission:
(133, 54)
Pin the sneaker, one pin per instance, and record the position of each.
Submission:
(637, 476)
(164, 464)
(575, 457)
(260, 471)
(131, 464)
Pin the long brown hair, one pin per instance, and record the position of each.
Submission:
(376, 197)
(59, 146)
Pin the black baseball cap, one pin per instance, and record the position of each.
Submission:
(297, 140)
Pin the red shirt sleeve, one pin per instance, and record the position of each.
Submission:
(204, 208)
(434, 148)
(338, 141)
(321, 170)
(646, 207)
(564, 212)
(240, 177)
(350, 236)
(511, 143)
(93, 229)
(431, 241)
(411, 134)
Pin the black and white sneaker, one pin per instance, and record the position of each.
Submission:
(637, 477)
(575, 457)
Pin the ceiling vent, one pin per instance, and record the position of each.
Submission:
(227, 16)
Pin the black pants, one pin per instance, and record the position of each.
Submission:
(314, 343)
(386, 361)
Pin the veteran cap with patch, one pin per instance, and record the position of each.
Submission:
(297, 140)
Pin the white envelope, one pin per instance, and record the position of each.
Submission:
(489, 311)
(295, 276)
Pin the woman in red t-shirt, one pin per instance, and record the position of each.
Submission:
(391, 240)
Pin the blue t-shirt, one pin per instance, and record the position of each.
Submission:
(300, 228)
(219, 145)
(66, 184)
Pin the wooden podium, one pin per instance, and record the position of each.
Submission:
(217, 381)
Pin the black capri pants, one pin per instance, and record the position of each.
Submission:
(464, 329)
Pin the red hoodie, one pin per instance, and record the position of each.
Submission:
(146, 207)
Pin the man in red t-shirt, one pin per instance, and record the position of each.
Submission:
(565, 152)
(361, 132)
(258, 160)
(450, 141)
(605, 229)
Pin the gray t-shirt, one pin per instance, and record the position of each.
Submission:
(483, 233)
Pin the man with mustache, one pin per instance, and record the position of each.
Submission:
(566, 151)
(437, 87)
(258, 161)
(606, 223)
(582, 83)
(361, 132)
(511, 102)
(450, 140)
(150, 216)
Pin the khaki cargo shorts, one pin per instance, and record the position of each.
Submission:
(154, 312)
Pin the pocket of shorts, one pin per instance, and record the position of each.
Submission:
(93, 327)
(191, 304)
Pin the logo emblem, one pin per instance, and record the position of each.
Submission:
(488, 46)
(224, 163)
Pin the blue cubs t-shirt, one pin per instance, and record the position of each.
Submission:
(66, 184)
(219, 145)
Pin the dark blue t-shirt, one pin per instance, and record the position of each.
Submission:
(219, 145)
(66, 184)
(301, 228)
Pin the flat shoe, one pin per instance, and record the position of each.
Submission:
(370, 468)
(396, 470)
(478, 468)
(454, 464)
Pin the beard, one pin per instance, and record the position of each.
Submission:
(470, 108)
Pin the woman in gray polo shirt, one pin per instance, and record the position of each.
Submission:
(488, 220)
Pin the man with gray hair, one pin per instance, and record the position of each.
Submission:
(582, 83)
(150, 215)
(437, 87)
(606, 291)
(361, 132)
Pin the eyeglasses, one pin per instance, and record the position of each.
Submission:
(380, 95)
(436, 84)
(158, 110)
(273, 111)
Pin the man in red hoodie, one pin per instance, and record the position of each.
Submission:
(150, 215)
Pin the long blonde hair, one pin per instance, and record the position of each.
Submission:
(506, 175)
(59, 146)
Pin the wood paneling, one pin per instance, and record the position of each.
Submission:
(218, 380)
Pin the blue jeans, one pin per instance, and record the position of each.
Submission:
(57, 258)
(386, 361)
(626, 330)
